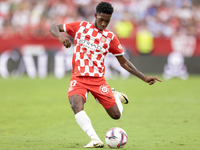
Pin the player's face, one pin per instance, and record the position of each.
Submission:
(102, 20)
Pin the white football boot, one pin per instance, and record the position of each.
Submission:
(123, 98)
(94, 143)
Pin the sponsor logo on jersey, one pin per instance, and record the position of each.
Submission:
(90, 45)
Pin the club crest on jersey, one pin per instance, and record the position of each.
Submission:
(103, 39)
(104, 89)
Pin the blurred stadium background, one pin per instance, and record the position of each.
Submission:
(159, 36)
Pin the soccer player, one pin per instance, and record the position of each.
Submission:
(92, 41)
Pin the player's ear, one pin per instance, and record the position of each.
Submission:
(95, 15)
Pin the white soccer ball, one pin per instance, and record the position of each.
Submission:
(116, 137)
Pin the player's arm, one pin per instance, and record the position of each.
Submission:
(56, 31)
(133, 70)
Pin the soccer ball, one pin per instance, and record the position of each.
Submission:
(116, 137)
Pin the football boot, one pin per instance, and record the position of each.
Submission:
(123, 97)
(94, 143)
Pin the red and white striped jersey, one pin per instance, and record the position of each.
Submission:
(90, 48)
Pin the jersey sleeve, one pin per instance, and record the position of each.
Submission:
(115, 47)
(71, 28)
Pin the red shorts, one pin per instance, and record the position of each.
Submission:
(99, 88)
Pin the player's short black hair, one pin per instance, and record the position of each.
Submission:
(105, 8)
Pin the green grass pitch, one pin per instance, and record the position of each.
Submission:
(35, 115)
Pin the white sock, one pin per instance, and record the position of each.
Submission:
(85, 123)
(119, 103)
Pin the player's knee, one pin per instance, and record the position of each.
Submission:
(76, 104)
(114, 112)
(116, 116)
(75, 108)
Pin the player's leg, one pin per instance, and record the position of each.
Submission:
(110, 99)
(77, 102)
(111, 102)
(119, 99)
(115, 111)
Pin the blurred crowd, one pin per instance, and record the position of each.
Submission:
(162, 18)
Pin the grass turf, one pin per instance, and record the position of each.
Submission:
(35, 115)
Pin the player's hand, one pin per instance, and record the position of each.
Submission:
(65, 41)
(151, 79)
